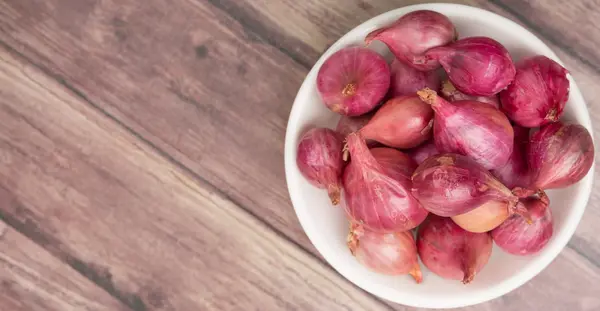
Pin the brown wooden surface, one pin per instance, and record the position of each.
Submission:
(141, 154)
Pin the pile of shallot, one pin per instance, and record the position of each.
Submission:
(452, 139)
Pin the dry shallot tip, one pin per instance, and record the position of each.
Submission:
(469, 274)
(345, 152)
(523, 192)
(334, 192)
(543, 197)
(428, 95)
(349, 89)
(416, 273)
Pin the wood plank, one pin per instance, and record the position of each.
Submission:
(193, 84)
(31, 279)
(94, 195)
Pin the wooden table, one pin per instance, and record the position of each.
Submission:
(141, 154)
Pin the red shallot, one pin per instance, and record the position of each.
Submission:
(451, 184)
(423, 152)
(515, 173)
(471, 128)
(450, 251)
(387, 253)
(452, 94)
(538, 94)
(484, 218)
(521, 237)
(415, 33)
(353, 81)
(402, 122)
(406, 80)
(559, 155)
(319, 159)
(475, 65)
(377, 191)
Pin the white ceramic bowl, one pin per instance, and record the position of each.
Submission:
(327, 226)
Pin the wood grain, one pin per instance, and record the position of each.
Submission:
(173, 83)
(31, 279)
(95, 196)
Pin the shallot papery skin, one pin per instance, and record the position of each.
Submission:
(471, 128)
(517, 236)
(395, 163)
(450, 251)
(353, 81)
(476, 65)
(538, 94)
(402, 122)
(386, 253)
(406, 80)
(319, 159)
(377, 192)
(559, 155)
(415, 33)
(450, 184)
(515, 173)
(451, 94)
(484, 218)
(424, 151)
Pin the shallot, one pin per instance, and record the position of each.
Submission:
(406, 80)
(538, 94)
(451, 184)
(475, 65)
(450, 251)
(471, 128)
(387, 253)
(452, 94)
(353, 81)
(377, 191)
(515, 173)
(559, 155)
(521, 237)
(484, 218)
(319, 159)
(402, 122)
(415, 33)
(423, 152)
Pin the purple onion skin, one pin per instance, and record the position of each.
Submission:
(471, 128)
(515, 173)
(476, 65)
(421, 153)
(319, 159)
(451, 94)
(517, 236)
(353, 81)
(376, 191)
(559, 155)
(450, 184)
(538, 94)
(450, 251)
(406, 80)
(415, 33)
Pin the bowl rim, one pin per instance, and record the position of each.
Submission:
(497, 290)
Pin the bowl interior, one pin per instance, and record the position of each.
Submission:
(327, 226)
